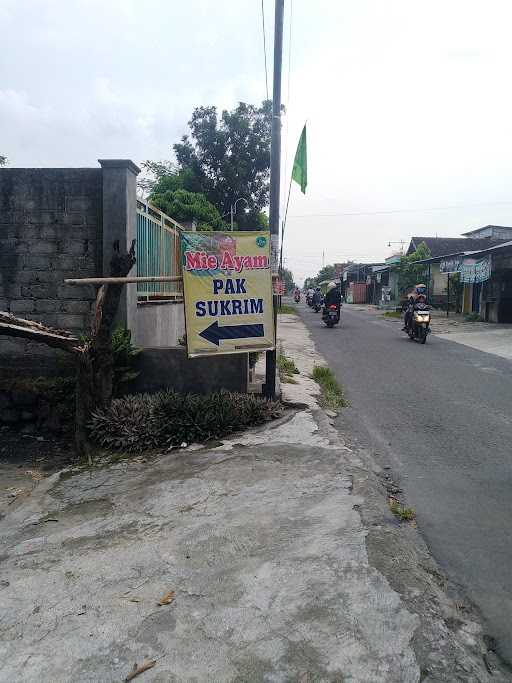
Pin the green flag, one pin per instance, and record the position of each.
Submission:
(300, 163)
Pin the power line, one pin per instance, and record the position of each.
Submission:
(391, 211)
(264, 43)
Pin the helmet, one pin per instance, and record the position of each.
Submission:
(421, 289)
(331, 285)
(318, 289)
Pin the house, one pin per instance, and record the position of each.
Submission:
(486, 275)
(475, 240)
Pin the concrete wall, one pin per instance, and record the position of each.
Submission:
(170, 368)
(50, 229)
(158, 324)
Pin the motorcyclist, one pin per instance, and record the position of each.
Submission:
(296, 294)
(317, 297)
(332, 296)
(419, 293)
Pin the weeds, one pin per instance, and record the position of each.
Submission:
(392, 314)
(287, 309)
(287, 369)
(403, 513)
(331, 393)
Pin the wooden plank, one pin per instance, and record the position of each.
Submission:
(121, 280)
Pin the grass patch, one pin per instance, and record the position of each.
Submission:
(287, 309)
(332, 394)
(403, 513)
(287, 369)
(392, 314)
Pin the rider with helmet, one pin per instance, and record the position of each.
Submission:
(418, 295)
(332, 295)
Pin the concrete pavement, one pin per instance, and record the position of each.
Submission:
(280, 549)
(440, 417)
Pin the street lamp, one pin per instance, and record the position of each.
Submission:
(401, 243)
(233, 209)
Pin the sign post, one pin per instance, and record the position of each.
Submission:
(228, 292)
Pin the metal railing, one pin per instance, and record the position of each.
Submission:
(158, 253)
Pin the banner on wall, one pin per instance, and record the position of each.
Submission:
(471, 270)
(227, 285)
(476, 270)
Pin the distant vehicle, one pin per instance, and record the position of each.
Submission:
(296, 296)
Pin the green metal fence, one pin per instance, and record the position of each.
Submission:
(158, 252)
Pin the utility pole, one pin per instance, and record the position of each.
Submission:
(275, 183)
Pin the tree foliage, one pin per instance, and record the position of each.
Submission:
(3, 160)
(409, 272)
(187, 206)
(224, 158)
(325, 273)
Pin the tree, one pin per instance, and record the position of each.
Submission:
(326, 273)
(224, 158)
(3, 160)
(409, 272)
(287, 277)
(187, 206)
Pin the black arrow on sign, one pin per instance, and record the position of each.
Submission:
(214, 333)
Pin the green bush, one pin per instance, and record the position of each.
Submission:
(472, 317)
(166, 419)
(124, 357)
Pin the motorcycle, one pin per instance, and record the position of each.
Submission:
(296, 298)
(317, 305)
(331, 315)
(309, 299)
(419, 325)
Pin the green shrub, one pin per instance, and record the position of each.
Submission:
(166, 419)
(125, 357)
(472, 317)
(287, 368)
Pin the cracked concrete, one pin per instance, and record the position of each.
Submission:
(263, 541)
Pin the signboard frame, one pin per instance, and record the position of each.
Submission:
(227, 285)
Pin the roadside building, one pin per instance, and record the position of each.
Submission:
(486, 277)
(440, 247)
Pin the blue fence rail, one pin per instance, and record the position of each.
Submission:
(158, 252)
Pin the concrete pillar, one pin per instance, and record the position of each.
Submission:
(120, 223)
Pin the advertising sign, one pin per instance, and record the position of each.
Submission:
(279, 287)
(228, 292)
(451, 265)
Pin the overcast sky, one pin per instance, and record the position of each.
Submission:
(409, 103)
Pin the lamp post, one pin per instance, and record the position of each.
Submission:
(233, 209)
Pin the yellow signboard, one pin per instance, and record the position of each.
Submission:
(228, 292)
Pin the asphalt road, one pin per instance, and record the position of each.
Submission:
(440, 415)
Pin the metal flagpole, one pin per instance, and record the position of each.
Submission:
(275, 181)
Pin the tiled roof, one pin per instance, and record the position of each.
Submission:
(442, 246)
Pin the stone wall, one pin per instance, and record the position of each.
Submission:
(50, 229)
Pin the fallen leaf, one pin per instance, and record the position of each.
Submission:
(134, 599)
(140, 668)
(166, 599)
